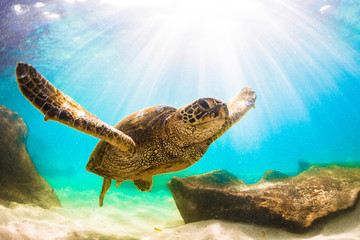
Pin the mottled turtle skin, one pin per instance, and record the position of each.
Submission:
(156, 140)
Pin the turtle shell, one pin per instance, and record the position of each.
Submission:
(145, 127)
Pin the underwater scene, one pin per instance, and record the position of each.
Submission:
(283, 74)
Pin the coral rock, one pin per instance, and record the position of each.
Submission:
(295, 203)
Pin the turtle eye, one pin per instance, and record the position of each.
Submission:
(204, 104)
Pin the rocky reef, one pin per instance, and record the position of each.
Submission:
(296, 204)
(19, 180)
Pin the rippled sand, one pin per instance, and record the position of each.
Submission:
(123, 216)
(142, 216)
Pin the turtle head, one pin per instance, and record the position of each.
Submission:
(201, 119)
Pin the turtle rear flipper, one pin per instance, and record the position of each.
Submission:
(59, 107)
(105, 188)
(144, 184)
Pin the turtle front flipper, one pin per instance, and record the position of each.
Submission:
(105, 188)
(59, 107)
(144, 184)
(238, 107)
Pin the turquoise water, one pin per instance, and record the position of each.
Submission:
(115, 57)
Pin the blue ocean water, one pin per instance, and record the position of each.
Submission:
(116, 57)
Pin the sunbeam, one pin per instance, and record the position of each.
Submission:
(218, 46)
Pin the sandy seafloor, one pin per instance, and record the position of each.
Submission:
(143, 216)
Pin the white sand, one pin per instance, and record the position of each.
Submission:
(343, 227)
(134, 217)
(123, 216)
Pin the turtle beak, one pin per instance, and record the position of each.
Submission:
(222, 111)
(219, 113)
(226, 111)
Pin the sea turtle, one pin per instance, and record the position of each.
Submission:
(156, 140)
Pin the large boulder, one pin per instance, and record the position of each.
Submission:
(19, 180)
(293, 203)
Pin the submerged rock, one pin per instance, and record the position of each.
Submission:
(273, 175)
(294, 203)
(19, 180)
(303, 165)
